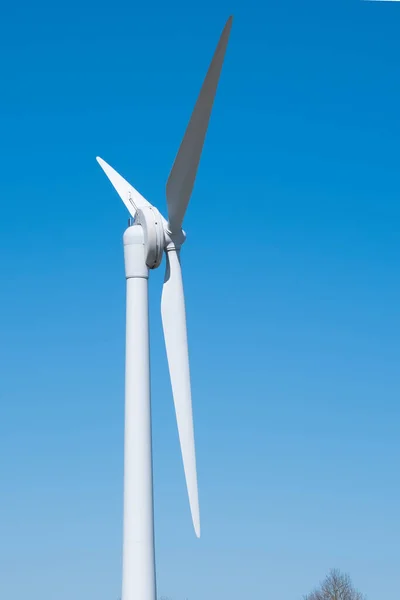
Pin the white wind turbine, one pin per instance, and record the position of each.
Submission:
(144, 244)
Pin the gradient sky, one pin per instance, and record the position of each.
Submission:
(292, 281)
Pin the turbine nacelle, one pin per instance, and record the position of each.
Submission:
(157, 235)
(152, 223)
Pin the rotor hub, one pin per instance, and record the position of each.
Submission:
(173, 241)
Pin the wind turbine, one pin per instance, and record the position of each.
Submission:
(145, 242)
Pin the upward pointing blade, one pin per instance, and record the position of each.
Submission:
(174, 325)
(183, 173)
(129, 196)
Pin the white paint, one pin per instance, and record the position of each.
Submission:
(184, 170)
(129, 196)
(175, 333)
(144, 244)
(138, 578)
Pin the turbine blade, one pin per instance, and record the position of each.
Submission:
(129, 196)
(183, 173)
(174, 325)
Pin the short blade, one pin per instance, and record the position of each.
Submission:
(174, 325)
(129, 196)
(183, 173)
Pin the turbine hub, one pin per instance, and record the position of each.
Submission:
(173, 241)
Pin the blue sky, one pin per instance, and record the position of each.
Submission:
(292, 285)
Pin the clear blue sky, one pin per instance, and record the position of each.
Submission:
(292, 284)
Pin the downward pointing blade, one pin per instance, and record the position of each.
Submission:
(174, 325)
(183, 173)
(129, 196)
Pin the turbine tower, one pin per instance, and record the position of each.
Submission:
(145, 242)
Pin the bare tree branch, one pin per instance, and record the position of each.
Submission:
(336, 586)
